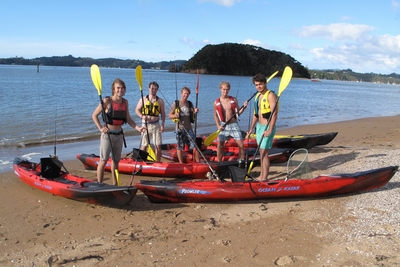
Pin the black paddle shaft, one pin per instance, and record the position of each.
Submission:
(145, 121)
(240, 109)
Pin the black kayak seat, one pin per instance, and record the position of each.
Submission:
(139, 154)
(239, 174)
(50, 167)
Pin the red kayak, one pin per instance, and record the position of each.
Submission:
(276, 155)
(48, 176)
(193, 170)
(224, 191)
(286, 141)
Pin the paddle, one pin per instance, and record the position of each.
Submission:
(96, 78)
(197, 102)
(197, 105)
(139, 79)
(281, 136)
(213, 173)
(285, 80)
(208, 141)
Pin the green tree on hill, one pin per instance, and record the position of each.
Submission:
(241, 59)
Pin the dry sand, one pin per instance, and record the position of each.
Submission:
(39, 229)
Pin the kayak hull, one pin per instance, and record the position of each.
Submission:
(72, 186)
(227, 191)
(287, 141)
(193, 170)
(275, 155)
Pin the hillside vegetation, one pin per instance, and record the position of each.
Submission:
(349, 75)
(240, 59)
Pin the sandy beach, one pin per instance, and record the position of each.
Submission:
(39, 229)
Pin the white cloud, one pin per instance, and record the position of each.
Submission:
(194, 43)
(296, 46)
(376, 52)
(395, 5)
(336, 31)
(352, 46)
(252, 42)
(346, 18)
(226, 3)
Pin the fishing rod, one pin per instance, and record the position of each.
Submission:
(54, 158)
(55, 132)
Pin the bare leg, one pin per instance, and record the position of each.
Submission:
(220, 146)
(144, 143)
(264, 165)
(180, 156)
(158, 153)
(241, 149)
(100, 171)
(196, 155)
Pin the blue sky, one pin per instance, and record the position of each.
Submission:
(363, 35)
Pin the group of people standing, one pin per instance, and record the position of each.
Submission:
(151, 110)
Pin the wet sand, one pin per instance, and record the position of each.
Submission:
(39, 229)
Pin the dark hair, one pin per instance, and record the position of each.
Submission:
(154, 83)
(118, 80)
(259, 78)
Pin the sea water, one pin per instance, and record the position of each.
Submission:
(47, 111)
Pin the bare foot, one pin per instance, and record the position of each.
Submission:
(258, 179)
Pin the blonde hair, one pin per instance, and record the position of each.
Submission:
(225, 83)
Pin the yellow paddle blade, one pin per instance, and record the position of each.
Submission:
(151, 155)
(286, 77)
(139, 77)
(208, 141)
(250, 166)
(96, 77)
(117, 177)
(272, 76)
(280, 136)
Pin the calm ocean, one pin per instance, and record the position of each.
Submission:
(51, 109)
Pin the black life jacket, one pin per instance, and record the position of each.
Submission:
(116, 114)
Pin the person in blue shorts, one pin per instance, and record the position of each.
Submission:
(264, 119)
(225, 115)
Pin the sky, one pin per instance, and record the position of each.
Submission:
(362, 35)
